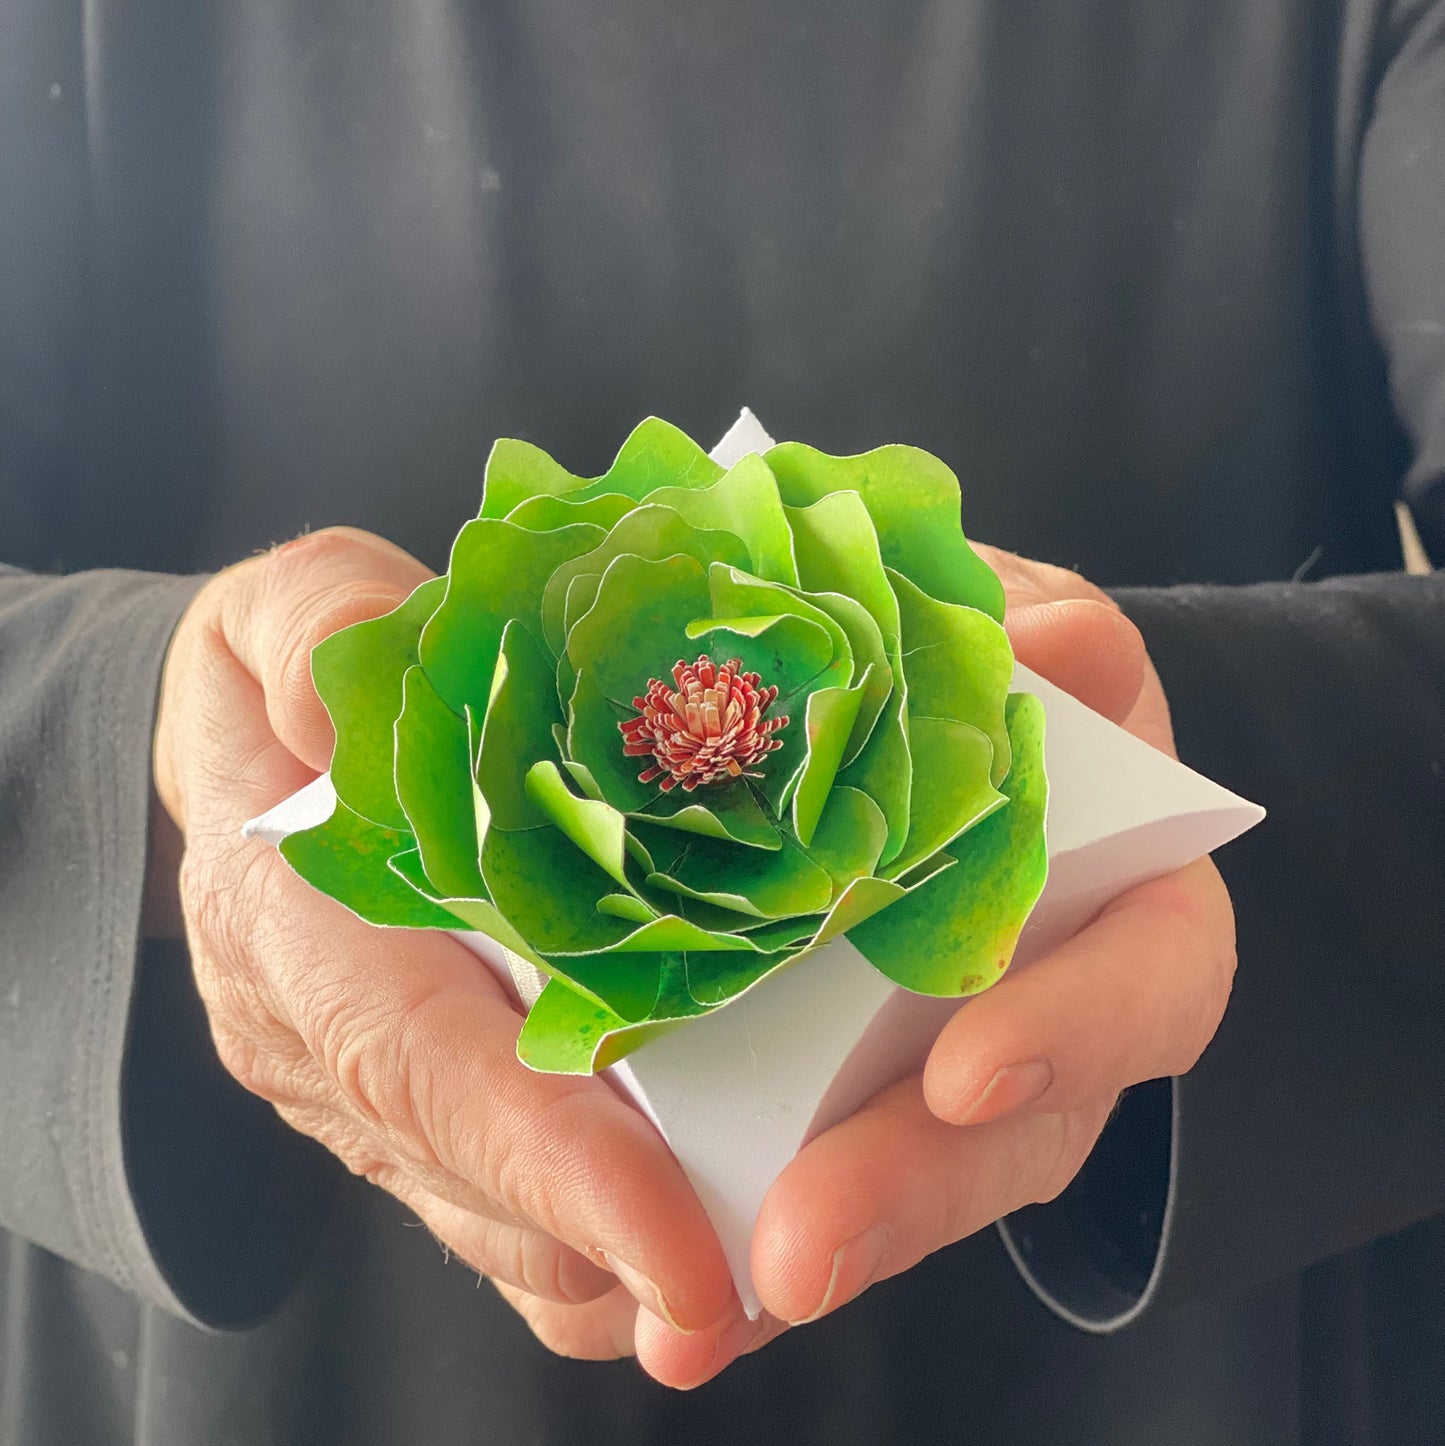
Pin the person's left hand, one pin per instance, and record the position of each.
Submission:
(1022, 1079)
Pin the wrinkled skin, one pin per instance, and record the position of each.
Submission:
(396, 1051)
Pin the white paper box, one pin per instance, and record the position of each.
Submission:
(737, 1093)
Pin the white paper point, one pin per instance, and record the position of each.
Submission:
(737, 1093)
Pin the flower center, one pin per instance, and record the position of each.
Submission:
(709, 727)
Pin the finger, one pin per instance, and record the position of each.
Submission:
(687, 1361)
(601, 1330)
(1027, 581)
(1135, 996)
(240, 723)
(420, 1042)
(1089, 649)
(523, 1258)
(876, 1194)
(279, 606)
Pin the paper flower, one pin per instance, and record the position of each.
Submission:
(664, 731)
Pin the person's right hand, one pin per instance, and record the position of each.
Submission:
(395, 1048)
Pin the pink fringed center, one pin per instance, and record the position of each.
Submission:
(711, 726)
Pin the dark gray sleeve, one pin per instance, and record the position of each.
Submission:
(143, 1163)
(1314, 1122)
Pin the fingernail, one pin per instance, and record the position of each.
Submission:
(645, 1290)
(1012, 1088)
(856, 1264)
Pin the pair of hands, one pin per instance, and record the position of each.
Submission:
(395, 1049)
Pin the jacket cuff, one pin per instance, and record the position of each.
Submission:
(127, 1150)
(1312, 1125)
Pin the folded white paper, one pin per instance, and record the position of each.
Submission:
(737, 1093)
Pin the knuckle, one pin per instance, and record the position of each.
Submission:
(523, 1258)
(240, 1057)
(352, 1045)
(310, 550)
(379, 1058)
(319, 584)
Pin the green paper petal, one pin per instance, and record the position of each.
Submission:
(787, 652)
(581, 594)
(656, 455)
(829, 723)
(517, 731)
(715, 979)
(638, 623)
(850, 837)
(627, 906)
(599, 830)
(957, 935)
(735, 595)
(358, 675)
(566, 1034)
(883, 768)
(594, 743)
(913, 499)
(498, 573)
(745, 503)
(721, 811)
(564, 1030)
(865, 642)
(664, 934)
(517, 471)
(838, 551)
(564, 924)
(547, 514)
(864, 898)
(951, 788)
(959, 664)
(346, 857)
(478, 913)
(747, 881)
(650, 532)
(433, 762)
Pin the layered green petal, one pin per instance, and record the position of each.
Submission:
(650, 532)
(913, 499)
(656, 455)
(498, 573)
(745, 503)
(838, 551)
(831, 713)
(358, 675)
(517, 731)
(951, 788)
(476, 912)
(547, 514)
(596, 828)
(959, 665)
(766, 885)
(638, 623)
(347, 857)
(433, 761)
(957, 935)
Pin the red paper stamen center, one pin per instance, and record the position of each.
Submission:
(710, 727)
